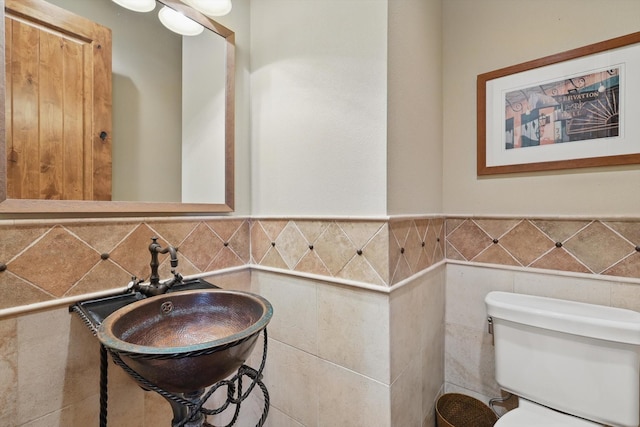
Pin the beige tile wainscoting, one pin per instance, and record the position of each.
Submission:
(603, 247)
(370, 323)
(52, 260)
(594, 261)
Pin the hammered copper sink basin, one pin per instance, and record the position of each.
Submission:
(186, 341)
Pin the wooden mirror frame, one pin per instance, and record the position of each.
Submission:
(75, 207)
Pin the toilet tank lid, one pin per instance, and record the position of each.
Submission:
(588, 320)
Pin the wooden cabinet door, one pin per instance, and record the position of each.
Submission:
(58, 104)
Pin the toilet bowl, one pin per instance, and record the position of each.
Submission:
(529, 414)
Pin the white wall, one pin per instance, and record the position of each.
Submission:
(414, 150)
(319, 107)
(481, 36)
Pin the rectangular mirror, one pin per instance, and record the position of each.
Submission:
(145, 176)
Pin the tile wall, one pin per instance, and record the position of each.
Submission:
(49, 374)
(46, 261)
(380, 253)
(342, 321)
(335, 329)
(352, 357)
(594, 261)
(43, 261)
(469, 364)
(601, 247)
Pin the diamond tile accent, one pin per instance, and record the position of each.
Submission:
(423, 262)
(496, 254)
(422, 226)
(311, 263)
(432, 241)
(560, 259)
(438, 225)
(125, 242)
(240, 242)
(14, 239)
(173, 232)
(628, 230)
(311, 230)
(15, 292)
(469, 239)
(224, 259)
(102, 237)
(452, 224)
(55, 262)
(526, 243)
(413, 248)
(395, 252)
(48, 260)
(560, 230)
(273, 228)
(628, 267)
(133, 253)
(565, 245)
(202, 246)
(359, 269)
(452, 253)
(400, 230)
(598, 247)
(260, 242)
(227, 228)
(414, 245)
(376, 253)
(105, 275)
(402, 271)
(291, 245)
(334, 248)
(273, 259)
(496, 228)
(324, 247)
(360, 232)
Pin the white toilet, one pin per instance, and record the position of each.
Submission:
(571, 364)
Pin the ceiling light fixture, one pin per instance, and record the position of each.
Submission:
(178, 23)
(211, 7)
(137, 5)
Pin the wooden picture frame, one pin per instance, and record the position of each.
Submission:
(575, 109)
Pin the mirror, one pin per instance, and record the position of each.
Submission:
(128, 158)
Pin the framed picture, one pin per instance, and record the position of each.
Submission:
(579, 108)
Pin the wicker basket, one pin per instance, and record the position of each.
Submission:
(459, 410)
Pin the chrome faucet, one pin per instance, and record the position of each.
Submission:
(155, 287)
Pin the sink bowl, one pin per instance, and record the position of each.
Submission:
(188, 340)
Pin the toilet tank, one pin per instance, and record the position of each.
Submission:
(582, 359)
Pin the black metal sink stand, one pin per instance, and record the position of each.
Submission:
(188, 408)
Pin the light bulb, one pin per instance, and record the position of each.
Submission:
(178, 23)
(137, 5)
(211, 7)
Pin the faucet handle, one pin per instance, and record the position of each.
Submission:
(133, 284)
(177, 277)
